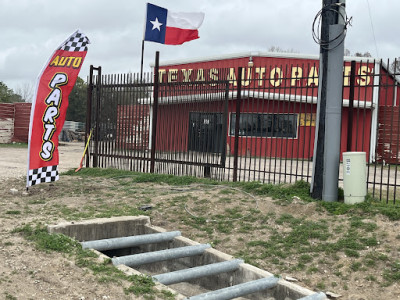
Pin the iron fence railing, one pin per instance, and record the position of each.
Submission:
(249, 128)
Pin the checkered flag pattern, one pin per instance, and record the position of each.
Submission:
(76, 42)
(44, 174)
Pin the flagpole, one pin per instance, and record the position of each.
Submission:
(144, 34)
(141, 62)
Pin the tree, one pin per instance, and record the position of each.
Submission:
(281, 50)
(77, 102)
(7, 95)
(365, 54)
(4, 93)
(395, 66)
(26, 91)
(347, 52)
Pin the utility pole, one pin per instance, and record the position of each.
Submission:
(326, 157)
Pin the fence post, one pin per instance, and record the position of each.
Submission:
(225, 129)
(89, 110)
(237, 120)
(97, 119)
(155, 108)
(351, 105)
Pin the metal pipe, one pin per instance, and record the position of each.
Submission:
(315, 296)
(162, 255)
(239, 289)
(198, 272)
(130, 241)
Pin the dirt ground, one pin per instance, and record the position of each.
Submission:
(27, 273)
(13, 161)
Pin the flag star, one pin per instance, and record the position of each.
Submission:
(156, 24)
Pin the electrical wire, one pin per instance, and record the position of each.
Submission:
(373, 30)
(335, 8)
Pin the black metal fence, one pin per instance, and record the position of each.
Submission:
(251, 128)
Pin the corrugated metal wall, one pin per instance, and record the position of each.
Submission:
(389, 135)
(14, 122)
(21, 122)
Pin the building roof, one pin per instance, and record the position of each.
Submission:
(257, 54)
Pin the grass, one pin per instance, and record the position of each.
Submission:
(99, 211)
(283, 193)
(139, 177)
(9, 296)
(13, 212)
(313, 245)
(14, 145)
(48, 242)
(104, 271)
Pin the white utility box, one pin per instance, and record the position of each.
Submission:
(354, 177)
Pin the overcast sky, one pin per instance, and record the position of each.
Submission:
(30, 30)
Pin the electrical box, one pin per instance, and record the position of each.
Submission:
(354, 177)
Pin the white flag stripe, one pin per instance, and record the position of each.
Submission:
(184, 20)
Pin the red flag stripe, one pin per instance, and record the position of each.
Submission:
(177, 36)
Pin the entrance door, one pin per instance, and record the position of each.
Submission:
(206, 132)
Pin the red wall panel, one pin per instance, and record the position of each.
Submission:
(388, 148)
(14, 122)
(21, 122)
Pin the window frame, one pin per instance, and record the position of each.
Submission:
(264, 133)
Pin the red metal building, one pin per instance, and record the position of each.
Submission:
(278, 105)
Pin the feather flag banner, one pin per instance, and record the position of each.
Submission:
(49, 108)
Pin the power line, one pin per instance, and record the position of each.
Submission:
(316, 26)
(373, 30)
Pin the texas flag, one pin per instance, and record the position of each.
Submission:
(171, 28)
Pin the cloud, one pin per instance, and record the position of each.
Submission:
(31, 30)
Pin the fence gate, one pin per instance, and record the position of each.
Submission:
(181, 131)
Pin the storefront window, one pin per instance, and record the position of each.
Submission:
(265, 125)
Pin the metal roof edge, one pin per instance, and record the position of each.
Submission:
(206, 58)
(257, 54)
(362, 59)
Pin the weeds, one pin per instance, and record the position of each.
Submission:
(105, 271)
(140, 285)
(48, 242)
(9, 296)
(392, 273)
(13, 212)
